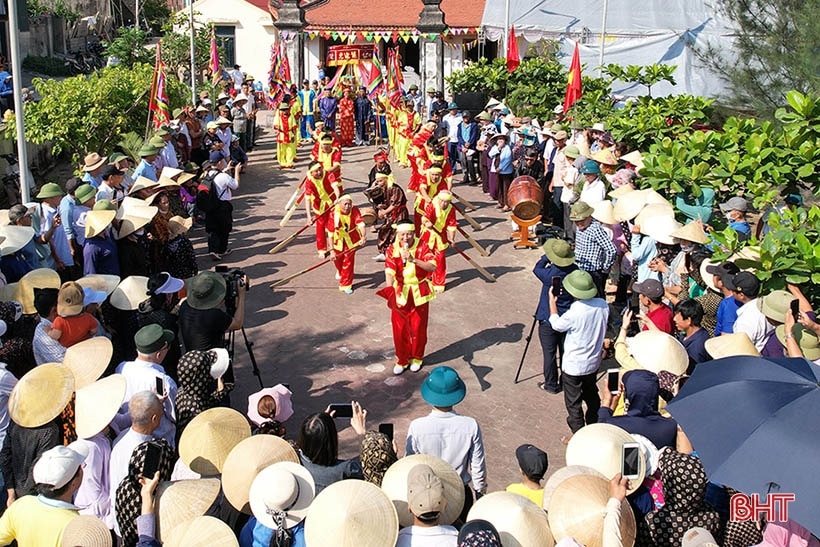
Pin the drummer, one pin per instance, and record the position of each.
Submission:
(392, 210)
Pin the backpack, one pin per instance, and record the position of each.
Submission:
(207, 200)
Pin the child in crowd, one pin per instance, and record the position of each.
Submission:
(72, 324)
(533, 463)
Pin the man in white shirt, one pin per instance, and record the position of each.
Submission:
(426, 502)
(144, 373)
(51, 194)
(451, 121)
(145, 411)
(218, 222)
(585, 324)
(237, 76)
(168, 152)
(111, 186)
(443, 433)
(746, 288)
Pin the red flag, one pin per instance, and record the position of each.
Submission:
(213, 62)
(513, 60)
(574, 90)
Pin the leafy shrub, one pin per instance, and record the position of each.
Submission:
(85, 113)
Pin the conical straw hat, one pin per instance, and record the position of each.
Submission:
(578, 508)
(655, 351)
(41, 278)
(621, 191)
(180, 501)
(97, 221)
(394, 485)
(142, 183)
(352, 513)
(731, 345)
(654, 210)
(41, 395)
(202, 531)
(660, 229)
(97, 404)
(246, 460)
(603, 212)
(518, 520)
(653, 197)
(130, 224)
(600, 446)
(14, 238)
(88, 360)
(178, 225)
(562, 474)
(135, 206)
(629, 205)
(86, 531)
(210, 437)
(130, 293)
(100, 282)
(692, 232)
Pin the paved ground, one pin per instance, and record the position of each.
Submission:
(331, 347)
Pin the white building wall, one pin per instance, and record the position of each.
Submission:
(254, 32)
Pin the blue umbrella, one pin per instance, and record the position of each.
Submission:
(755, 423)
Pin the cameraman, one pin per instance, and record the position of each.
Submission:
(203, 324)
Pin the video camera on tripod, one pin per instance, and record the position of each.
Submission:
(234, 279)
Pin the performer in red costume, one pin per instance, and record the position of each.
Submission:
(439, 226)
(329, 154)
(321, 194)
(348, 231)
(407, 269)
(432, 184)
(417, 154)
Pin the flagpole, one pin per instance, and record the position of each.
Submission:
(603, 39)
(17, 93)
(506, 28)
(193, 54)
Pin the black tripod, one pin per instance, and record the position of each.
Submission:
(230, 345)
(526, 347)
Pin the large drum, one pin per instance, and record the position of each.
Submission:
(525, 198)
(368, 215)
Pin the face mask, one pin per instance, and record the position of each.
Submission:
(140, 232)
(687, 248)
(729, 217)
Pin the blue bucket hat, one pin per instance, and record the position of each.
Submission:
(452, 106)
(590, 168)
(443, 387)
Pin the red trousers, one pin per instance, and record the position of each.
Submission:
(410, 331)
(321, 231)
(440, 275)
(344, 265)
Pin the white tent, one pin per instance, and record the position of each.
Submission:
(638, 32)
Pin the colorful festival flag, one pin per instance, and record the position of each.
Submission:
(158, 101)
(574, 90)
(375, 85)
(513, 60)
(213, 65)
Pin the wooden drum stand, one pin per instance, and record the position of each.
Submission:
(523, 232)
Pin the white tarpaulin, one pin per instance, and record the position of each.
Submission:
(637, 33)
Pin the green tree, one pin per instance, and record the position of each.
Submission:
(129, 47)
(176, 46)
(90, 112)
(776, 49)
(156, 14)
